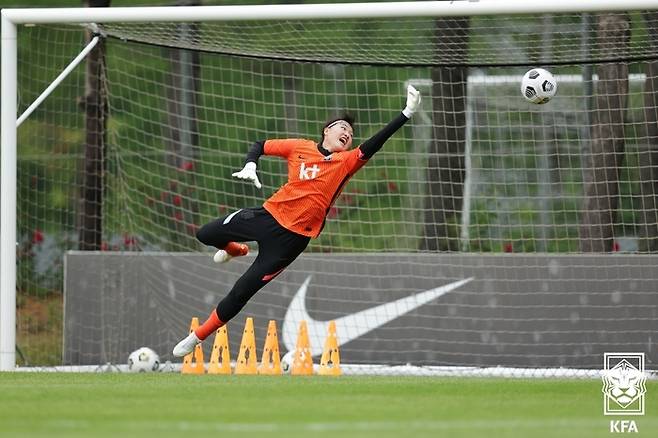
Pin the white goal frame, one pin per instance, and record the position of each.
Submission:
(13, 17)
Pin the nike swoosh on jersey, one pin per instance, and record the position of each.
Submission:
(350, 327)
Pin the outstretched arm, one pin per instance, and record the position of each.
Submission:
(279, 147)
(248, 172)
(375, 143)
(255, 151)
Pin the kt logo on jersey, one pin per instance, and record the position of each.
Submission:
(308, 172)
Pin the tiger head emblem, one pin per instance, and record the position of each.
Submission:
(624, 383)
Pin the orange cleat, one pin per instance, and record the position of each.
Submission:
(232, 249)
(235, 249)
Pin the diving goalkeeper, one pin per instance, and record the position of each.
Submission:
(284, 225)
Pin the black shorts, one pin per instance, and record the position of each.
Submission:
(277, 248)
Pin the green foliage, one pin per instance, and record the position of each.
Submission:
(161, 205)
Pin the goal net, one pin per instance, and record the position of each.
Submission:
(487, 232)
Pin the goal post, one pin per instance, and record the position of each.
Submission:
(8, 201)
(389, 206)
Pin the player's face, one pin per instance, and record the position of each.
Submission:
(338, 136)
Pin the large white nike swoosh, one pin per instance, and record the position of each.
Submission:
(350, 327)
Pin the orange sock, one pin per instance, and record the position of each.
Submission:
(236, 249)
(207, 328)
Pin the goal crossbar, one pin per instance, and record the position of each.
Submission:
(318, 11)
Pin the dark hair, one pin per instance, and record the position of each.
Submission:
(345, 116)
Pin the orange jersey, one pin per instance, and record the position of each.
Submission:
(314, 183)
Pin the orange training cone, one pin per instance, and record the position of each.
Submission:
(193, 362)
(330, 362)
(220, 358)
(302, 364)
(247, 358)
(271, 361)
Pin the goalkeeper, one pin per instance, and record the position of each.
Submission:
(284, 225)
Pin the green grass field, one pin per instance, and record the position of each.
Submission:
(163, 405)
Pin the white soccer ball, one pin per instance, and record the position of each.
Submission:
(286, 361)
(538, 86)
(143, 360)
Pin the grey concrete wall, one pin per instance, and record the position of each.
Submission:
(518, 310)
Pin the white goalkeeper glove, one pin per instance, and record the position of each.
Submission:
(248, 173)
(413, 101)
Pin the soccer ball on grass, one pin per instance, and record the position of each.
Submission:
(143, 360)
(286, 361)
(538, 86)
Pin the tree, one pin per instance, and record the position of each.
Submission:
(96, 111)
(445, 166)
(182, 135)
(649, 158)
(602, 163)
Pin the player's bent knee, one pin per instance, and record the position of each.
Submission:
(207, 235)
(202, 234)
